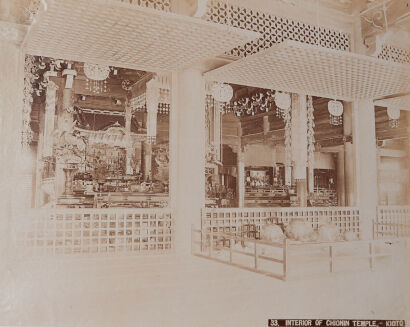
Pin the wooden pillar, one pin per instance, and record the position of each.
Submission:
(299, 146)
(366, 159)
(349, 156)
(189, 102)
(266, 125)
(152, 97)
(340, 170)
(65, 123)
(408, 158)
(217, 131)
(49, 117)
(46, 140)
(129, 147)
(301, 191)
(240, 181)
(147, 167)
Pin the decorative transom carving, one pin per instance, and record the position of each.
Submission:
(395, 54)
(273, 29)
(163, 5)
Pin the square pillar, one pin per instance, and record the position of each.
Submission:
(187, 154)
(11, 159)
(240, 180)
(366, 163)
(340, 170)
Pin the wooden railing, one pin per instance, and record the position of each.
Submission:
(204, 246)
(232, 220)
(272, 258)
(392, 222)
(96, 230)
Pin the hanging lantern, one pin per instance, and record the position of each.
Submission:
(283, 103)
(335, 109)
(394, 115)
(222, 92)
(96, 77)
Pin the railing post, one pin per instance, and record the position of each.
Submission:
(192, 239)
(203, 239)
(230, 249)
(285, 258)
(211, 241)
(371, 249)
(256, 255)
(331, 258)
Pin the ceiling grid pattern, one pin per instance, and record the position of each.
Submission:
(124, 35)
(307, 69)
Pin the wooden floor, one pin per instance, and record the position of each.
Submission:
(187, 291)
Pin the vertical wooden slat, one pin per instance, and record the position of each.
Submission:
(231, 240)
(331, 258)
(285, 258)
(256, 255)
(371, 250)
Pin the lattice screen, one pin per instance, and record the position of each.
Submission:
(392, 222)
(65, 231)
(233, 219)
(395, 54)
(272, 28)
(156, 4)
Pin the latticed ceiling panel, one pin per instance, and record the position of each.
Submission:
(273, 29)
(401, 102)
(392, 53)
(125, 35)
(302, 68)
(164, 5)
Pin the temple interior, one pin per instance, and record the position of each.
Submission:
(204, 162)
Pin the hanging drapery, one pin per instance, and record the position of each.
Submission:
(311, 142)
(288, 145)
(299, 136)
(288, 137)
(212, 127)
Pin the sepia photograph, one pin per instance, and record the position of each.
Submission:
(224, 163)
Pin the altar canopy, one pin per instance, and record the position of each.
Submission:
(120, 34)
(309, 69)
